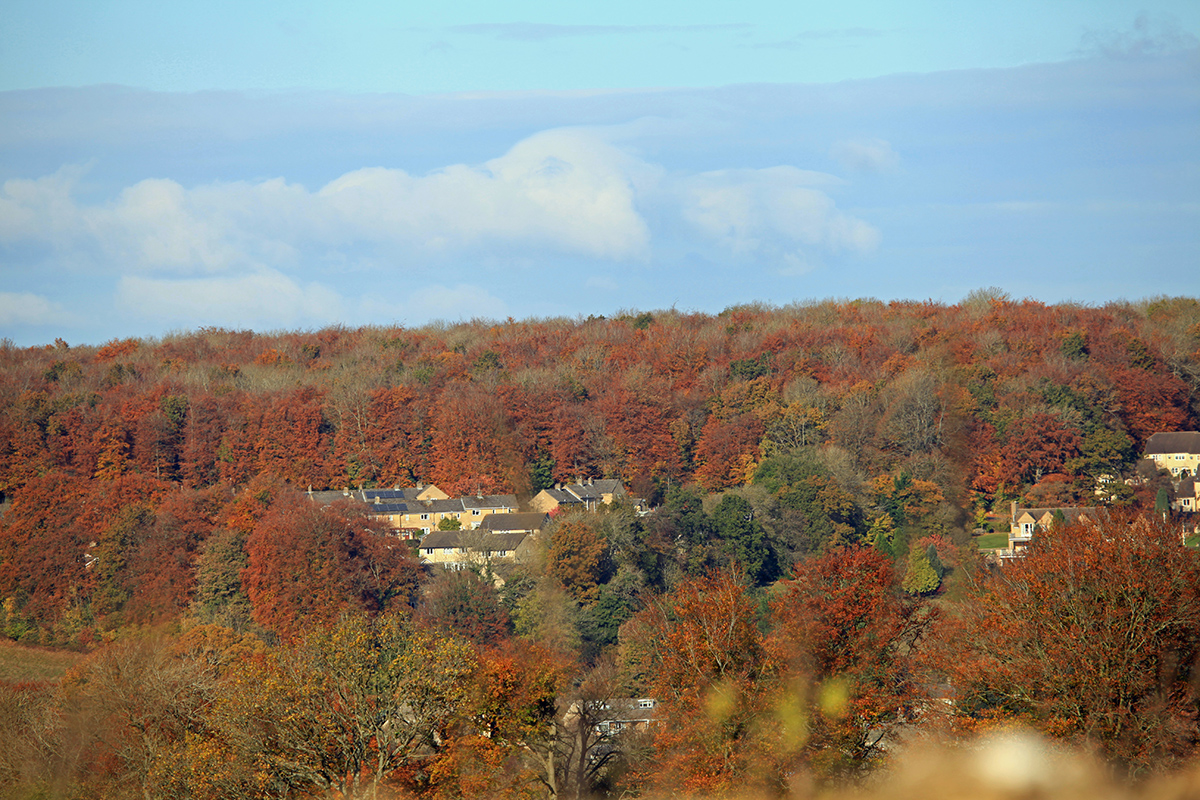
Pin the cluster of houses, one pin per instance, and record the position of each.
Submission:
(1177, 453)
(480, 530)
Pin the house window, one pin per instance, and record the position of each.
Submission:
(475, 512)
(1027, 528)
(424, 516)
(501, 553)
(645, 704)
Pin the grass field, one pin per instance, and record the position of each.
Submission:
(992, 540)
(19, 663)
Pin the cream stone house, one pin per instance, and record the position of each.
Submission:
(583, 495)
(1026, 522)
(1177, 452)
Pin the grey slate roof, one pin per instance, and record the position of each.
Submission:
(1174, 442)
(439, 539)
(504, 523)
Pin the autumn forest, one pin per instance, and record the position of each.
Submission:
(809, 590)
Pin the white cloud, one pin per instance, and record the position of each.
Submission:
(569, 191)
(261, 299)
(564, 189)
(23, 308)
(772, 212)
(866, 155)
(42, 209)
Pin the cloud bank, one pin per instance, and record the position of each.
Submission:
(570, 192)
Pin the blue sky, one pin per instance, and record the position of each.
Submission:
(167, 166)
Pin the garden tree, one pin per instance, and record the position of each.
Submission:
(1102, 451)
(1162, 501)
(307, 565)
(743, 538)
(449, 524)
(579, 558)
(1054, 491)
(1093, 637)
(921, 577)
(631, 546)
(1151, 405)
(464, 604)
(600, 623)
(701, 652)
(843, 629)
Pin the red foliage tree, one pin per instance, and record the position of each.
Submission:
(728, 450)
(844, 626)
(308, 565)
(1092, 637)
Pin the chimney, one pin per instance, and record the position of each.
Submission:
(345, 491)
(1012, 512)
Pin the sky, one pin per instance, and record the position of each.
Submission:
(282, 166)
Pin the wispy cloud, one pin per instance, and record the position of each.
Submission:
(541, 31)
(866, 155)
(262, 298)
(24, 308)
(1149, 36)
(775, 214)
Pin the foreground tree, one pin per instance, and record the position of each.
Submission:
(1092, 637)
(702, 654)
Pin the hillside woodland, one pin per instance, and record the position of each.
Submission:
(805, 596)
